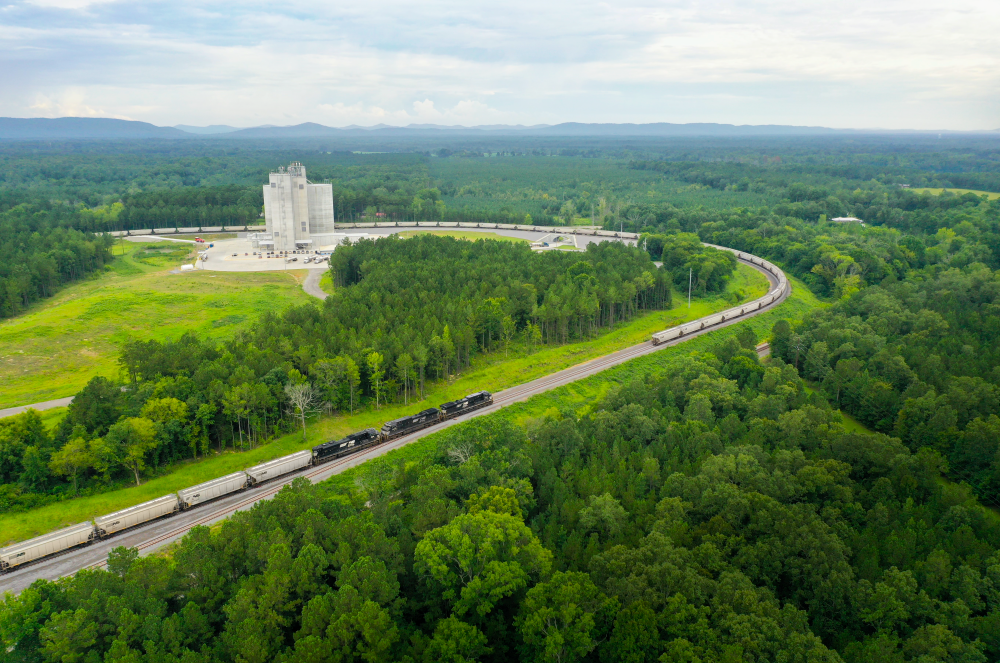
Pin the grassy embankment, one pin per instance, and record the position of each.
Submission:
(958, 192)
(464, 234)
(494, 372)
(59, 344)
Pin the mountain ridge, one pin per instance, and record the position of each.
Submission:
(69, 128)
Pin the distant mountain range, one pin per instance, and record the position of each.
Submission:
(68, 128)
(16, 128)
(211, 129)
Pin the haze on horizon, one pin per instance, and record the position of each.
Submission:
(854, 64)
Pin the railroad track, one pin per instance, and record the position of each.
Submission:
(505, 398)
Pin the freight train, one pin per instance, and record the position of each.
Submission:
(737, 311)
(101, 527)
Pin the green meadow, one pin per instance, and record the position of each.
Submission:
(58, 345)
(958, 192)
(472, 235)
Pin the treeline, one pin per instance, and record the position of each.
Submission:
(405, 311)
(40, 250)
(918, 359)
(836, 260)
(399, 292)
(193, 207)
(934, 171)
(690, 263)
(714, 512)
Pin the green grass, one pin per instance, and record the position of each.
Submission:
(492, 372)
(464, 234)
(853, 425)
(52, 350)
(563, 248)
(326, 282)
(208, 237)
(958, 192)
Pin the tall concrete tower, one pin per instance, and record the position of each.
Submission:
(296, 209)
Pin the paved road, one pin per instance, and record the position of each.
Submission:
(150, 238)
(154, 535)
(311, 284)
(45, 405)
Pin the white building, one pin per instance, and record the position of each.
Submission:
(298, 213)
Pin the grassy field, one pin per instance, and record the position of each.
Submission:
(471, 235)
(492, 372)
(59, 344)
(958, 192)
(326, 282)
(208, 237)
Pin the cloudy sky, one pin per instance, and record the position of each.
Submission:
(842, 63)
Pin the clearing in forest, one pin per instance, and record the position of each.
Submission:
(56, 347)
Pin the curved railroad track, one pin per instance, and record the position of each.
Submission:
(158, 533)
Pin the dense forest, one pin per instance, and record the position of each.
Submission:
(822, 505)
(918, 359)
(406, 311)
(40, 250)
(711, 512)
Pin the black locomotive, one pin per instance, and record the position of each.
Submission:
(397, 428)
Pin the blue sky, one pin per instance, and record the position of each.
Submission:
(865, 64)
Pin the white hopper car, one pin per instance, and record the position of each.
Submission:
(737, 311)
(210, 490)
(18, 554)
(43, 546)
(136, 515)
(276, 468)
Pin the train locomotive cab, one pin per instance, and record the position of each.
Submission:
(404, 425)
(471, 402)
(343, 447)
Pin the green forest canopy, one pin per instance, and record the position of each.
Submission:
(716, 511)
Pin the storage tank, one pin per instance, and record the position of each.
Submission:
(47, 544)
(136, 515)
(209, 490)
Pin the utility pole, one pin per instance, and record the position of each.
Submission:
(690, 275)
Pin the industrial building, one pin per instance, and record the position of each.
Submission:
(298, 213)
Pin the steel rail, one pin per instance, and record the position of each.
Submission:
(501, 399)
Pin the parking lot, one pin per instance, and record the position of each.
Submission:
(238, 255)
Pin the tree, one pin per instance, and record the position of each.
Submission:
(404, 367)
(127, 443)
(508, 327)
(420, 358)
(162, 410)
(455, 641)
(562, 620)
(303, 398)
(331, 374)
(74, 457)
(353, 377)
(604, 514)
(477, 559)
(375, 373)
(203, 419)
(35, 468)
(69, 636)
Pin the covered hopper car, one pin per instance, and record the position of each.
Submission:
(773, 295)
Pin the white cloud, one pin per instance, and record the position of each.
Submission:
(71, 104)
(892, 63)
